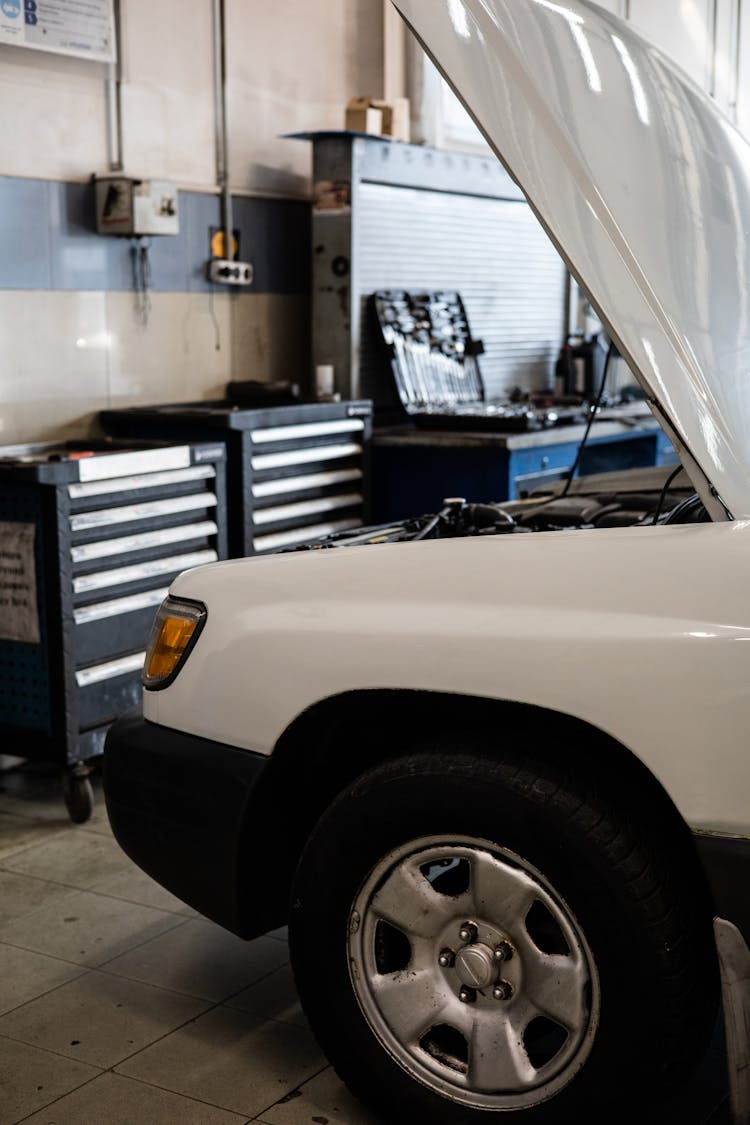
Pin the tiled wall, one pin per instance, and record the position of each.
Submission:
(72, 338)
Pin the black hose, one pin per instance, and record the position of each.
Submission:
(664, 492)
(592, 414)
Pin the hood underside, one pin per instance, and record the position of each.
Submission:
(643, 186)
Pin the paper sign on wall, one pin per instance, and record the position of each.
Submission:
(19, 618)
(84, 28)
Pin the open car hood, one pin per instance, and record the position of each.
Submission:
(643, 186)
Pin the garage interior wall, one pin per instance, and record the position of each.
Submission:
(71, 335)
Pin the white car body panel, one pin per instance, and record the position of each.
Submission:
(644, 187)
(643, 633)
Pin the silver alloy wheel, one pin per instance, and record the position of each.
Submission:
(473, 972)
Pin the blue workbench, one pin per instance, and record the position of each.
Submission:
(414, 470)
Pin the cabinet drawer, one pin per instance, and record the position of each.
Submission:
(532, 468)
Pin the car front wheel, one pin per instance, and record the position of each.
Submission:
(473, 938)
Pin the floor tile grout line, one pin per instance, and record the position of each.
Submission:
(33, 817)
(89, 969)
(130, 949)
(172, 991)
(128, 1078)
(27, 847)
(119, 1062)
(298, 1087)
(266, 1019)
(49, 1051)
(69, 886)
(213, 1006)
(41, 1109)
(26, 875)
(52, 956)
(103, 968)
(133, 902)
(168, 1089)
(140, 944)
(192, 996)
(90, 890)
(40, 995)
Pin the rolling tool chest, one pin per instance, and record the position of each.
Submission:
(90, 539)
(294, 473)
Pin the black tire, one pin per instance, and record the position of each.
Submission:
(631, 888)
(78, 794)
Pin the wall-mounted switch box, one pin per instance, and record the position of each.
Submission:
(135, 207)
(225, 271)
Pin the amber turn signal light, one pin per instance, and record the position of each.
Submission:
(176, 629)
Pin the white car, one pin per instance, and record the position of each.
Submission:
(499, 785)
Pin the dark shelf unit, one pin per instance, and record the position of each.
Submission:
(293, 472)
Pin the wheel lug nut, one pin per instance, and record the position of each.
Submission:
(467, 995)
(447, 959)
(503, 990)
(503, 951)
(468, 933)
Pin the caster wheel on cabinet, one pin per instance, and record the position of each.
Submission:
(78, 795)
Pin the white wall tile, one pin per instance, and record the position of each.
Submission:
(167, 94)
(270, 337)
(53, 114)
(54, 347)
(172, 358)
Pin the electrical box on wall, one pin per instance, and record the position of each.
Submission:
(135, 207)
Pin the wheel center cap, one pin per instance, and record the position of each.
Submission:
(475, 966)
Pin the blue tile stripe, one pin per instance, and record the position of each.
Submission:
(48, 241)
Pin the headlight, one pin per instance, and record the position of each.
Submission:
(176, 629)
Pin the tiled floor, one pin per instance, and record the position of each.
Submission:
(118, 1004)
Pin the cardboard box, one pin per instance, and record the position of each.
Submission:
(373, 115)
(364, 117)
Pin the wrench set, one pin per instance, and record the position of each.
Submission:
(434, 361)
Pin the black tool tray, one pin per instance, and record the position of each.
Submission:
(434, 361)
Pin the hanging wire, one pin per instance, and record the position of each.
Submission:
(593, 411)
(670, 479)
(142, 281)
(214, 318)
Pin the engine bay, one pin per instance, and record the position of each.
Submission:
(635, 498)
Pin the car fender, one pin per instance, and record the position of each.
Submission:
(640, 632)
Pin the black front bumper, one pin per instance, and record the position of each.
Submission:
(181, 808)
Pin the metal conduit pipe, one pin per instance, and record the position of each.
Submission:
(222, 137)
(113, 87)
